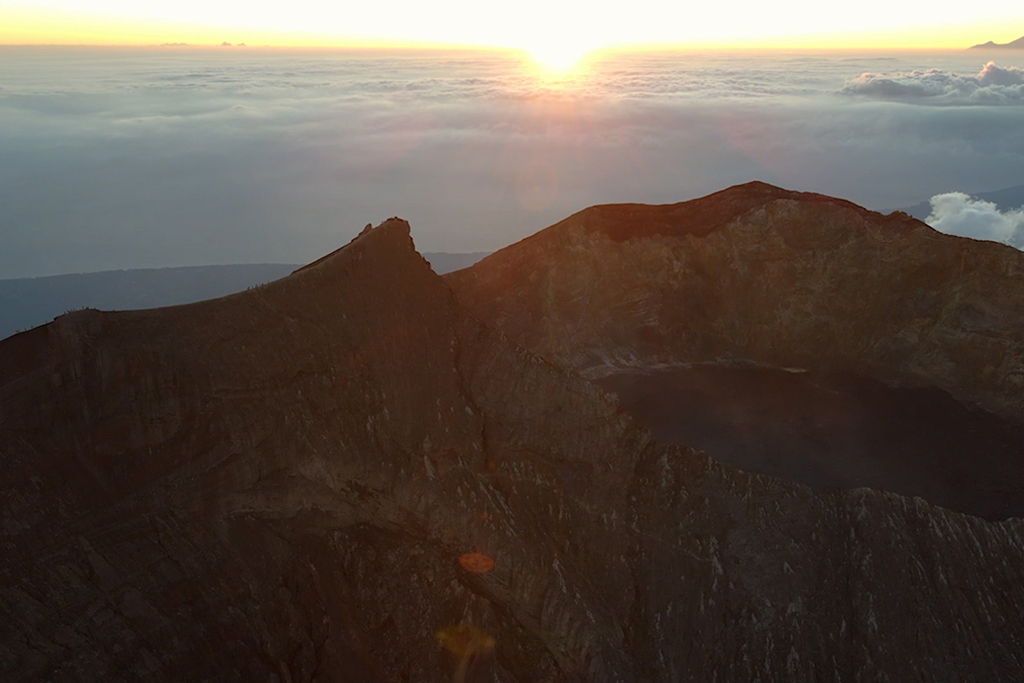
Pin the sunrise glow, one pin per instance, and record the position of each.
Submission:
(549, 30)
(557, 57)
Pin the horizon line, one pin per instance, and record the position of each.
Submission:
(468, 47)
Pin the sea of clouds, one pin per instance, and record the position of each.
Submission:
(992, 85)
(117, 158)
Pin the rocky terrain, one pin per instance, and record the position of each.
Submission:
(343, 476)
(791, 298)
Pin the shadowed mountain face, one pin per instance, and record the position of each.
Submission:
(341, 476)
(779, 279)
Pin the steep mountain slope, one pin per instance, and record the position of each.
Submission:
(308, 481)
(755, 276)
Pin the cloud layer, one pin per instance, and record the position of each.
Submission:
(143, 158)
(992, 85)
(956, 213)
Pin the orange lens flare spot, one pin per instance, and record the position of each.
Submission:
(477, 563)
(464, 640)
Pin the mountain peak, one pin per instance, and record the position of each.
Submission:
(1013, 45)
(695, 217)
(394, 233)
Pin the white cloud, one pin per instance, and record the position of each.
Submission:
(992, 85)
(956, 213)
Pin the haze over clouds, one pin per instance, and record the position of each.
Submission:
(118, 158)
(956, 213)
(992, 85)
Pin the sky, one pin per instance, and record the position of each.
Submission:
(117, 151)
(544, 27)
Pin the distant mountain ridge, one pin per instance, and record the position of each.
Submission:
(1015, 45)
(27, 302)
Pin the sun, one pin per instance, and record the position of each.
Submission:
(557, 56)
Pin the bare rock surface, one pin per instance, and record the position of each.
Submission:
(760, 277)
(281, 485)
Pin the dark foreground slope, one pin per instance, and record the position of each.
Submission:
(854, 349)
(278, 486)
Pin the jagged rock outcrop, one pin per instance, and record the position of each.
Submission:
(759, 277)
(280, 485)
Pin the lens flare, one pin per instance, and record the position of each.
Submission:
(476, 563)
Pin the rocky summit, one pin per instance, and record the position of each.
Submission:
(787, 333)
(344, 476)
